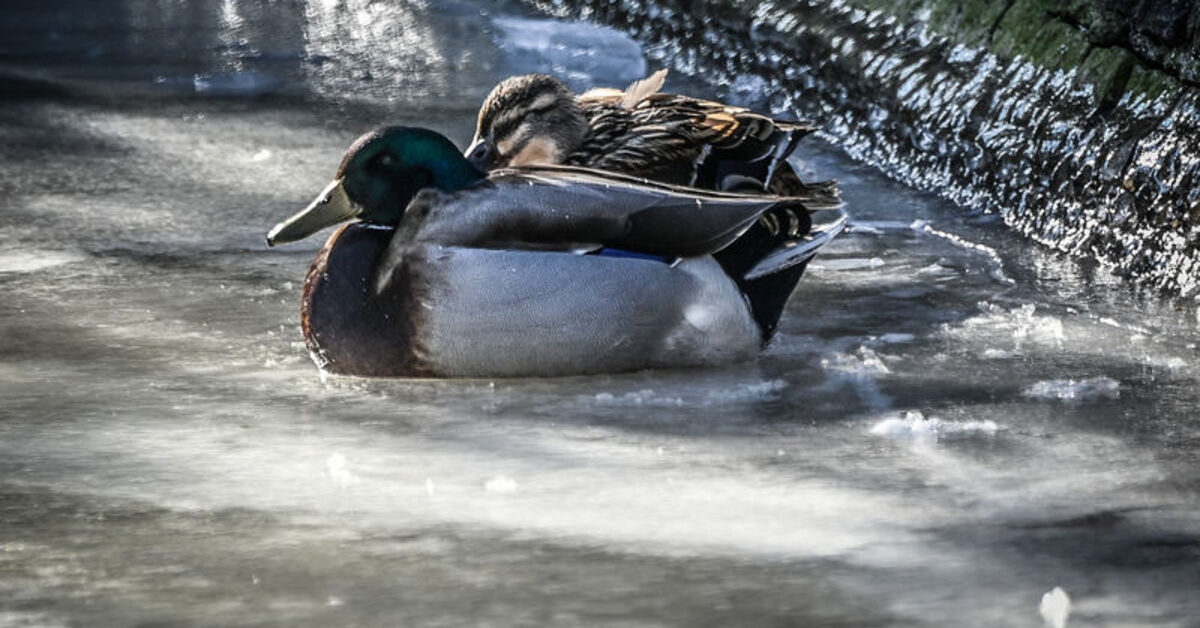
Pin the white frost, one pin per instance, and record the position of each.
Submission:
(339, 474)
(500, 484)
(849, 263)
(1055, 608)
(1075, 390)
(29, 261)
(913, 424)
(861, 370)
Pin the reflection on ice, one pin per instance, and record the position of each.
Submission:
(740, 392)
(500, 484)
(913, 424)
(1091, 389)
(860, 369)
(582, 54)
(993, 257)
(235, 84)
(848, 263)
(675, 495)
(1014, 329)
(27, 261)
(335, 469)
(1055, 608)
(410, 54)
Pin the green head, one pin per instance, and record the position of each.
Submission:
(380, 174)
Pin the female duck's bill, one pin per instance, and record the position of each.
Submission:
(474, 277)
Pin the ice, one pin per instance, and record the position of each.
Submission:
(1055, 608)
(1172, 363)
(861, 364)
(1019, 327)
(1042, 330)
(993, 257)
(649, 398)
(16, 619)
(582, 54)
(637, 398)
(1075, 390)
(760, 390)
(848, 263)
(913, 424)
(33, 261)
(877, 227)
(860, 370)
(339, 474)
(235, 84)
(896, 338)
(937, 270)
(500, 484)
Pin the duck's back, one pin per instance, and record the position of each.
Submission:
(682, 140)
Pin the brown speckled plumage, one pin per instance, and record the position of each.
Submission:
(667, 137)
(642, 132)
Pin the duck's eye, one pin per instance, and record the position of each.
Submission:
(386, 160)
(481, 153)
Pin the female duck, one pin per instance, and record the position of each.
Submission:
(547, 271)
(670, 138)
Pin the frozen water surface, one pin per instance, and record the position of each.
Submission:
(954, 427)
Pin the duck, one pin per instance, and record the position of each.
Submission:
(670, 138)
(535, 119)
(443, 270)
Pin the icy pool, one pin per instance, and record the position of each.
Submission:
(951, 424)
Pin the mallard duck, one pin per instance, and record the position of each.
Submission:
(528, 272)
(670, 138)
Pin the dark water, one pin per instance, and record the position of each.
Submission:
(951, 423)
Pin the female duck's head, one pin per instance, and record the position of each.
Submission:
(527, 120)
(380, 174)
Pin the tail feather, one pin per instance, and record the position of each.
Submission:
(816, 196)
(766, 263)
(643, 89)
(799, 250)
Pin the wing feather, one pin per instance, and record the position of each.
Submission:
(561, 207)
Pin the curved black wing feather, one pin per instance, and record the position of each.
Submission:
(562, 207)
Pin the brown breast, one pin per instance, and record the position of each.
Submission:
(349, 327)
